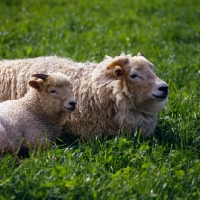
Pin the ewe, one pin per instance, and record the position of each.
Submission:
(36, 119)
(117, 93)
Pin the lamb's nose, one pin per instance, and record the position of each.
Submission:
(72, 103)
(164, 88)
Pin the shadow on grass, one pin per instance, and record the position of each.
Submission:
(67, 139)
(161, 136)
(164, 135)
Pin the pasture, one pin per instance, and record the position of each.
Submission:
(163, 166)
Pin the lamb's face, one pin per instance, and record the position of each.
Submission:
(141, 80)
(62, 98)
(55, 92)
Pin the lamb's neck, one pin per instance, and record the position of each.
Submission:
(35, 104)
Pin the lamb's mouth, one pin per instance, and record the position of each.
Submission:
(160, 97)
(70, 109)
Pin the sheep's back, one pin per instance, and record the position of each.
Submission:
(14, 74)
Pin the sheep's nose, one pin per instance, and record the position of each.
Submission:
(164, 89)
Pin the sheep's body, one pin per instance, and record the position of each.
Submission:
(107, 99)
(14, 74)
(32, 121)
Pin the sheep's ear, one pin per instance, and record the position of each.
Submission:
(36, 84)
(118, 66)
(140, 54)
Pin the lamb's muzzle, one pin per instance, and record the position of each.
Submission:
(70, 105)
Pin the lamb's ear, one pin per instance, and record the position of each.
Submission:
(36, 84)
(140, 54)
(118, 66)
(41, 76)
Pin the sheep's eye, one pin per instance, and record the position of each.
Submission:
(134, 76)
(52, 91)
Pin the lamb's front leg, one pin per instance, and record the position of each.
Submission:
(5, 144)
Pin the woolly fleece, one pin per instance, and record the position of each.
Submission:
(108, 99)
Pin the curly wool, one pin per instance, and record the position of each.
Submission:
(105, 103)
(36, 119)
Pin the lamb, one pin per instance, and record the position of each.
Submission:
(120, 93)
(36, 119)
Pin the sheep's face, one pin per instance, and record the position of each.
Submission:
(55, 92)
(138, 74)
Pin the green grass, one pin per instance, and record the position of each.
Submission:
(163, 166)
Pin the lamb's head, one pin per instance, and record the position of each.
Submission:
(137, 73)
(54, 91)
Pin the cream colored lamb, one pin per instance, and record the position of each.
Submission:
(119, 93)
(36, 119)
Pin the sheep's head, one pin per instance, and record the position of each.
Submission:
(140, 78)
(55, 90)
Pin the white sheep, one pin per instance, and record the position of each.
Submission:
(36, 119)
(119, 93)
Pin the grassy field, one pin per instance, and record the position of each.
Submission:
(163, 166)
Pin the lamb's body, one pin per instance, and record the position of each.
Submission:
(106, 99)
(36, 119)
(13, 112)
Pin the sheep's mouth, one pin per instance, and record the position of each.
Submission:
(160, 97)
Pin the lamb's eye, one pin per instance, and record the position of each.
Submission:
(52, 91)
(134, 76)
